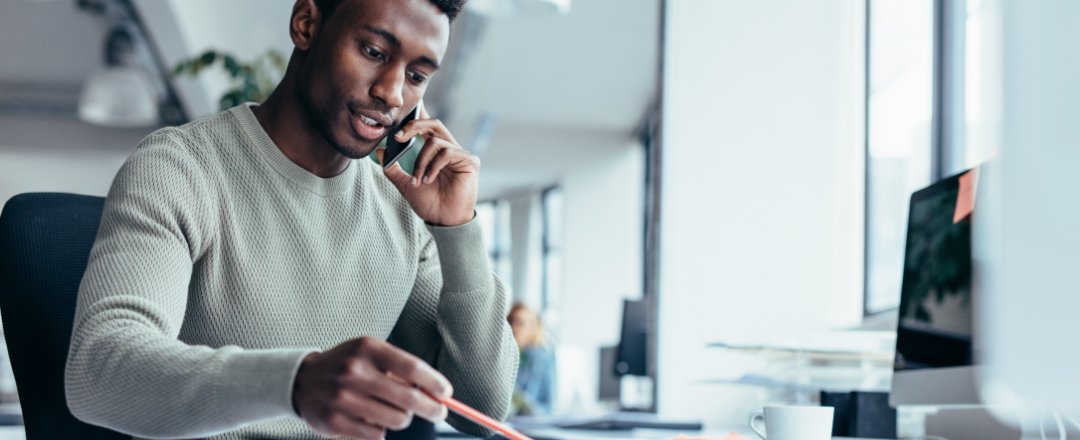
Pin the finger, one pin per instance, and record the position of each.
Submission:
(427, 128)
(394, 360)
(372, 410)
(342, 424)
(441, 160)
(397, 176)
(365, 379)
(459, 162)
(431, 148)
(424, 115)
(407, 398)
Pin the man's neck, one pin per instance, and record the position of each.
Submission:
(283, 118)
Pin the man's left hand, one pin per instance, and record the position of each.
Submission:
(443, 187)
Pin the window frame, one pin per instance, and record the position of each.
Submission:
(547, 247)
(947, 100)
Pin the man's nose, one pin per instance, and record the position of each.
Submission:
(388, 87)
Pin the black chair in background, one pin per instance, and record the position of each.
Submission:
(45, 241)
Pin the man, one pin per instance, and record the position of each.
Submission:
(249, 271)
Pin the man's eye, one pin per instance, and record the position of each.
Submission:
(418, 78)
(374, 53)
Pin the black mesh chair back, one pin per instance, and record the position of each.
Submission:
(45, 240)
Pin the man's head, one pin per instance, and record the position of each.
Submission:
(449, 7)
(361, 65)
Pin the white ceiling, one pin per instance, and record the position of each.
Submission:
(594, 68)
(539, 75)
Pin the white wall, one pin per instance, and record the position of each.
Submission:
(762, 215)
(60, 154)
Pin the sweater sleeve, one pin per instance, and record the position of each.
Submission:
(455, 319)
(126, 369)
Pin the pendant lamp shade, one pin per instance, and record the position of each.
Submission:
(120, 97)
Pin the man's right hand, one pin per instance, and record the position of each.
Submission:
(365, 386)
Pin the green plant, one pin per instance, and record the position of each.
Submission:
(251, 82)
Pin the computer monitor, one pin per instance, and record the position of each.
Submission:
(934, 337)
(631, 354)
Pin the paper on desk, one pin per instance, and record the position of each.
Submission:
(825, 341)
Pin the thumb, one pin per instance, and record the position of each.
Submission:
(397, 176)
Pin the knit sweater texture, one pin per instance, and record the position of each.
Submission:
(220, 264)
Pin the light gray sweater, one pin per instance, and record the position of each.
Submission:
(220, 264)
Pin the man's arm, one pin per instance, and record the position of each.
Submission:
(455, 319)
(462, 330)
(126, 369)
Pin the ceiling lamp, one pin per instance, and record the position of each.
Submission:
(122, 95)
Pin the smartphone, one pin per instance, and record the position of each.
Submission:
(397, 151)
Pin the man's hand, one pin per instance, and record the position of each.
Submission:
(365, 386)
(443, 187)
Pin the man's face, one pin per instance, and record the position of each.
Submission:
(368, 66)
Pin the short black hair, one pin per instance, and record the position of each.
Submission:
(449, 7)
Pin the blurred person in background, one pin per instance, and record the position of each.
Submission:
(536, 364)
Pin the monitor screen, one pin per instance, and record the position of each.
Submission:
(935, 318)
(631, 353)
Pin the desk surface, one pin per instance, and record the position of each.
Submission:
(562, 434)
(17, 433)
(642, 434)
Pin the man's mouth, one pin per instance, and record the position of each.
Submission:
(368, 128)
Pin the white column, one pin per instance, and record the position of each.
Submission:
(762, 202)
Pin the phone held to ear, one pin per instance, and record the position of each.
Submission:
(402, 153)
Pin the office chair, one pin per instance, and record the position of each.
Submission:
(45, 241)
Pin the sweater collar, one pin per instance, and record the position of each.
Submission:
(268, 150)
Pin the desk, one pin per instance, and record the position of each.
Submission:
(17, 433)
(638, 434)
(642, 434)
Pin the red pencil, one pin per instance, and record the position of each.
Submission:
(481, 418)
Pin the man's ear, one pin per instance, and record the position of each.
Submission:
(304, 23)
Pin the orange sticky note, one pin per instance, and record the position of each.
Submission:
(965, 201)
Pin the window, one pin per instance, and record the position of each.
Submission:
(981, 81)
(552, 201)
(494, 218)
(900, 39)
(933, 110)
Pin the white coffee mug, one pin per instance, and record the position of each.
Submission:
(794, 422)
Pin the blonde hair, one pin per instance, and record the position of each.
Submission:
(538, 335)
